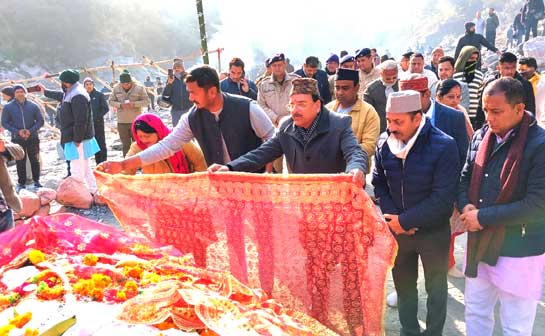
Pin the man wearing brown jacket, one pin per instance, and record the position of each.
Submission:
(129, 98)
(365, 120)
(9, 201)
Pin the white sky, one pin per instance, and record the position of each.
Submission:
(303, 28)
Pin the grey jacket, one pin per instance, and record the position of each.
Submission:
(332, 149)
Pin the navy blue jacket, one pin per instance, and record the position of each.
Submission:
(332, 148)
(16, 117)
(453, 123)
(421, 190)
(524, 216)
(99, 105)
(228, 86)
(177, 95)
(323, 83)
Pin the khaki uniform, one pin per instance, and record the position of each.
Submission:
(273, 97)
(137, 95)
(366, 79)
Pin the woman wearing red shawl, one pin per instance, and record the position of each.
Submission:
(147, 129)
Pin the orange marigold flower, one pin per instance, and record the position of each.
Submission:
(90, 259)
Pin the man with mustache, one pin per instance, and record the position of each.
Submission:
(225, 126)
(415, 178)
(365, 120)
(378, 91)
(501, 197)
(313, 140)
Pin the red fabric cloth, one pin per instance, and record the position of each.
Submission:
(486, 245)
(178, 160)
(72, 234)
(314, 242)
(417, 84)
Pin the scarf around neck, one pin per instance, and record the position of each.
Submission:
(486, 245)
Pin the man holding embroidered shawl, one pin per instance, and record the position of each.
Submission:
(502, 200)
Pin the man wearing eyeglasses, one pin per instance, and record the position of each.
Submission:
(313, 140)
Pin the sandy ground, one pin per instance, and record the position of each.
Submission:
(54, 170)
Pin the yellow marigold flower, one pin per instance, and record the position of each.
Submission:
(150, 277)
(31, 332)
(36, 256)
(90, 259)
(19, 320)
(121, 295)
(101, 281)
(4, 330)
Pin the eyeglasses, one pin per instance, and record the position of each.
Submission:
(301, 106)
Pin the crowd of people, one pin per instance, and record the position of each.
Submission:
(451, 148)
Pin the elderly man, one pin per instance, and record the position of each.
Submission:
(378, 91)
(310, 70)
(23, 119)
(175, 92)
(367, 69)
(225, 126)
(416, 66)
(314, 140)
(365, 120)
(129, 98)
(273, 91)
(502, 200)
(236, 82)
(415, 179)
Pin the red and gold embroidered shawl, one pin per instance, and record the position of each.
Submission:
(314, 242)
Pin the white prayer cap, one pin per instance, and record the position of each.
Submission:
(403, 102)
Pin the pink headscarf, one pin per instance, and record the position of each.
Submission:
(178, 160)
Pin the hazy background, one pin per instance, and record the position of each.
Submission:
(55, 34)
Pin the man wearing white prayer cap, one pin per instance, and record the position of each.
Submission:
(415, 178)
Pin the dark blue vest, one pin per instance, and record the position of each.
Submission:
(233, 124)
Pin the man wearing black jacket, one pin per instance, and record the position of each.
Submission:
(23, 119)
(473, 39)
(175, 92)
(507, 68)
(99, 108)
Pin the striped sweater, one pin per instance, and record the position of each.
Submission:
(474, 91)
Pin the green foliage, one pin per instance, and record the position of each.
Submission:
(72, 33)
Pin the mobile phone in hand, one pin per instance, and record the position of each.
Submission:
(170, 73)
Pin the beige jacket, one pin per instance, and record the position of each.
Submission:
(365, 125)
(366, 79)
(137, 95)
(273, 97)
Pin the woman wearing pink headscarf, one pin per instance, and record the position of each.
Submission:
(147, 129)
